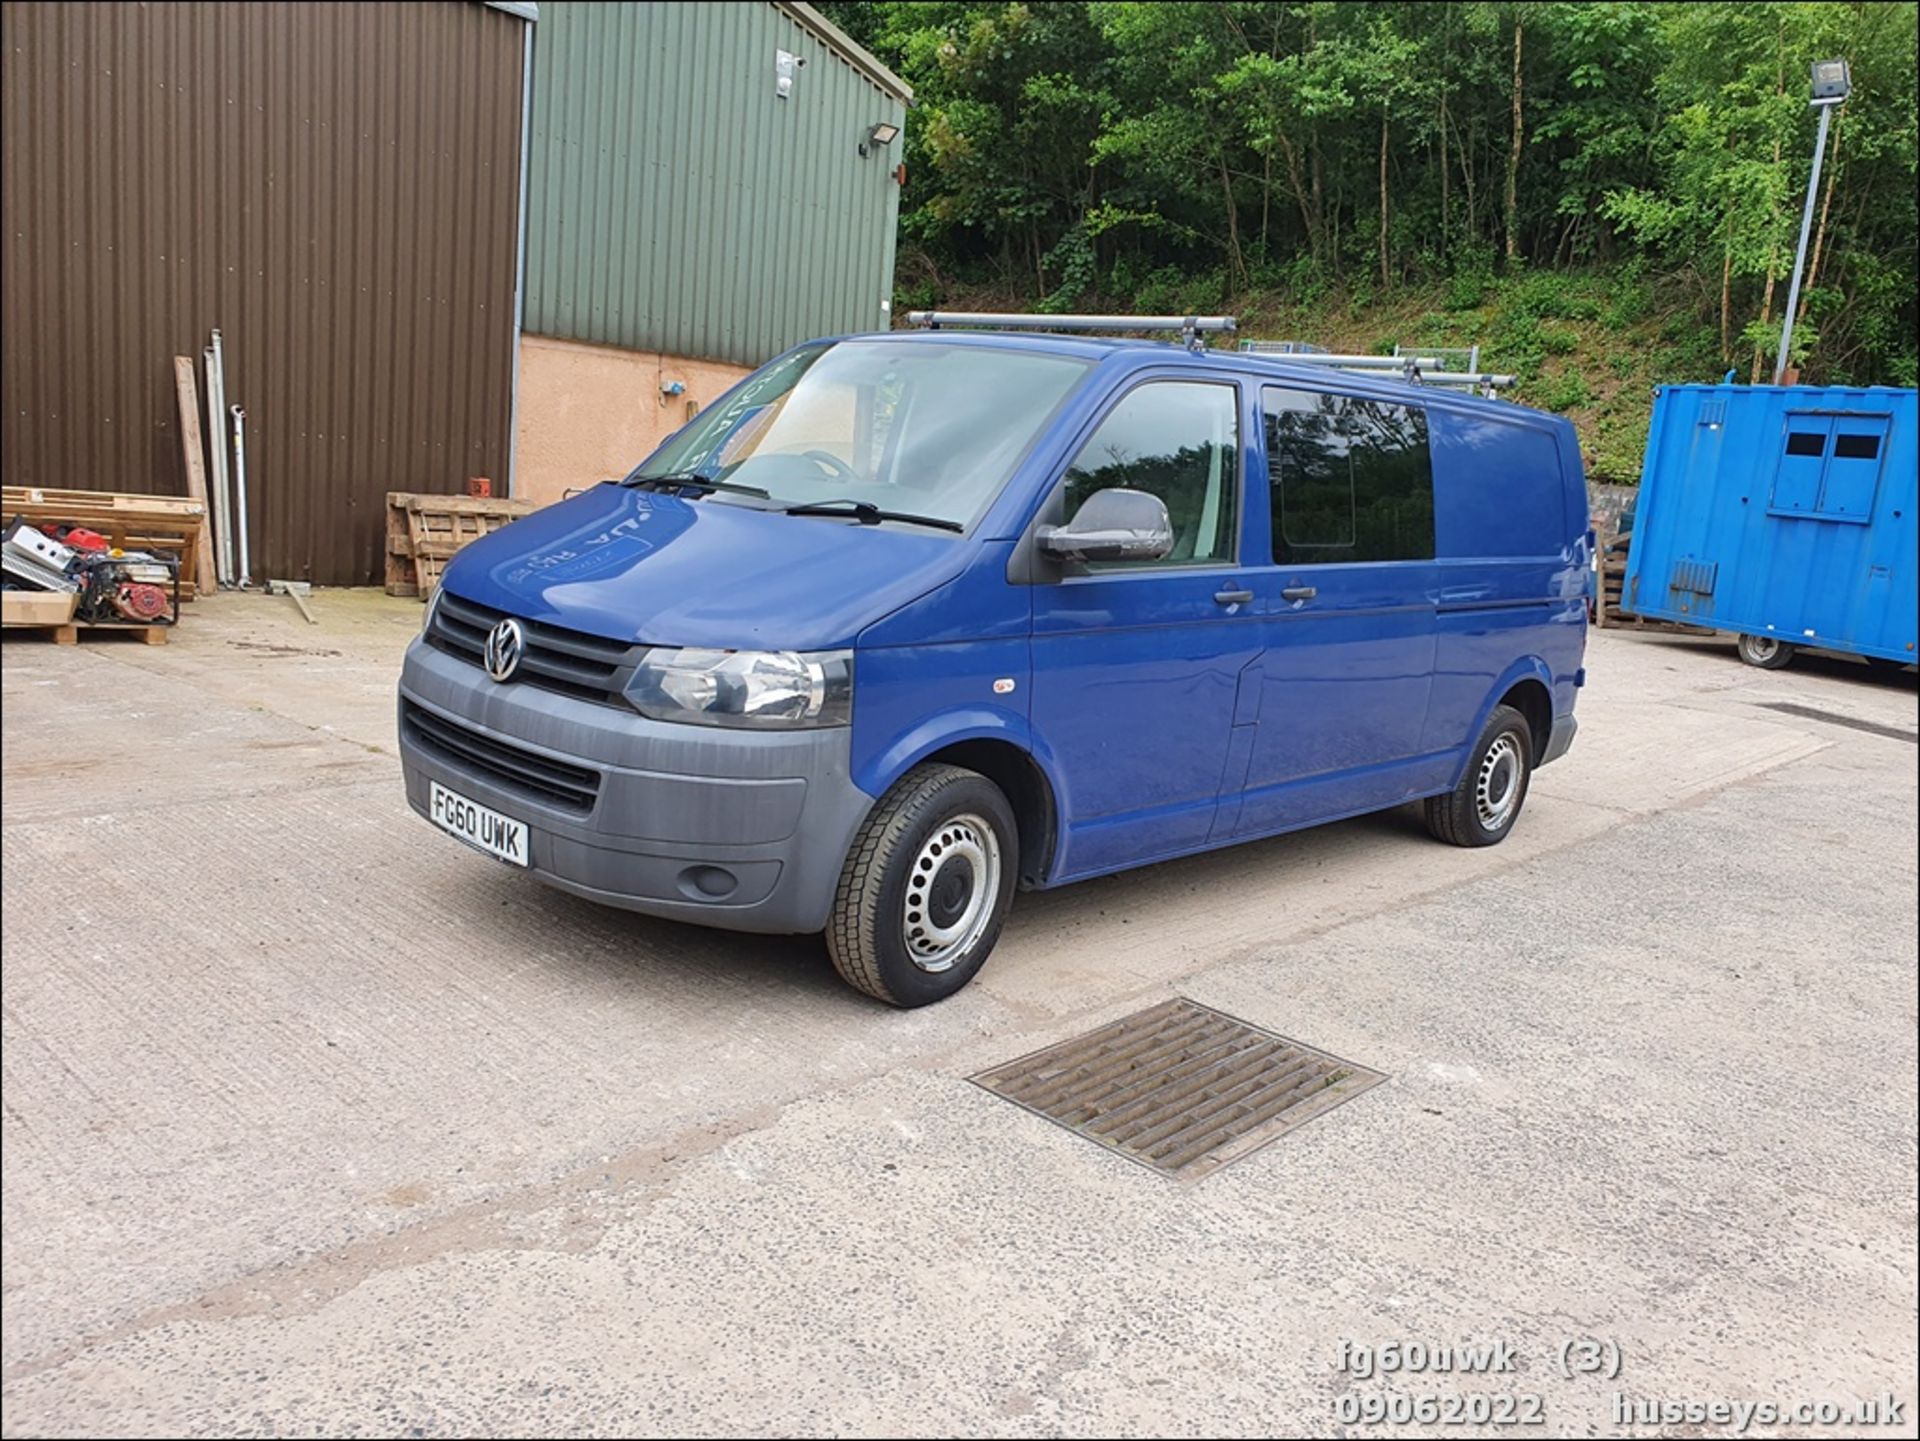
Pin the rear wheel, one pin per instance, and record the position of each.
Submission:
(1766, 651)
(1483, 807)
(926, 887)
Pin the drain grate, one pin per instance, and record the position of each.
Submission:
(1180, 1087)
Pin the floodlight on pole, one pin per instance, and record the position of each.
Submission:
(1832, 83)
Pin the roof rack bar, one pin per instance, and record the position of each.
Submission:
(1191, 327)
(1417, 369)
(1487, 385)
(1361, 362)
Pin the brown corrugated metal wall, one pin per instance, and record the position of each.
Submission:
(334, 186)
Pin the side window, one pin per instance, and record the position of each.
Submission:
(1178, 440)
(1352, 479)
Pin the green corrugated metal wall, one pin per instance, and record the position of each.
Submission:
(676, 203)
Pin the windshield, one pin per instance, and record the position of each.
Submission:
(927, 429)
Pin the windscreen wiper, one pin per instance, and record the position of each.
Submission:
(691, 480)
(868, 513)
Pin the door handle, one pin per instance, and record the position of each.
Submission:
(1299, 592)
(1233, 597)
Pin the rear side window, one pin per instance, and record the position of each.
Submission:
(1177, 440)
(1352, 479)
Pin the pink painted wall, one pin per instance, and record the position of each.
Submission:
(589, 412)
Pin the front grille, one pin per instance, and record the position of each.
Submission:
(588, 667)
(508, 766)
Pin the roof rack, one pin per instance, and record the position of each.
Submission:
(1420, 369)
(1191, 327)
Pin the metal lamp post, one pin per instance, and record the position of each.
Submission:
(1832, 82)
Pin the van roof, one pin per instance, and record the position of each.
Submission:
(1125, 354)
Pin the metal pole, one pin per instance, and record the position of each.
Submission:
(240, 492)
(520, 259)
(217, 445)
(1800, 255)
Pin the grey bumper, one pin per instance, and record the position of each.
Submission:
(1560, 740)
(744, 830)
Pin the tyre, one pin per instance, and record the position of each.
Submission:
(925, 888)
(1766, 651)
(1483, 807)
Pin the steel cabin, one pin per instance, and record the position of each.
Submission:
(1784, 514)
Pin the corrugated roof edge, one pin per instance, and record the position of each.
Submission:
(848, 48)
(525, 9)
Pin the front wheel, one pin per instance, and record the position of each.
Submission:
(1483, 807)
(925, 888)
(1766, 651)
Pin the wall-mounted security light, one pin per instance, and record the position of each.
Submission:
(879, 137)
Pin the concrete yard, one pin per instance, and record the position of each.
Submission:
(318, 1122)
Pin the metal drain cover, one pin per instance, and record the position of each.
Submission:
(1180, 1087)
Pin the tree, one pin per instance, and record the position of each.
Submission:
(1188, 151)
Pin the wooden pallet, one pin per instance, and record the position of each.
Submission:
(70, 633)
(424, 532)
(164, 524)
(1609, 611)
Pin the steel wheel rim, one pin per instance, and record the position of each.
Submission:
(1762, 647)
(1496, 791)
(951, 888)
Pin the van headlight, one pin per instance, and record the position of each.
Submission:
(758, 689)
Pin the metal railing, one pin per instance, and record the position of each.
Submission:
(1282, 347)
(1455, 358)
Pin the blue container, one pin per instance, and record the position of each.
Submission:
(1781, 513)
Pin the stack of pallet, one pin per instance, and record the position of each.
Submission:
(162, 524)
(1610, 610)
(424, 532)
(1611, 579)
(166, 527)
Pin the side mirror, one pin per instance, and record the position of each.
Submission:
(1113, 524)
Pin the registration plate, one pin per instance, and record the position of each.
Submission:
(479, 827)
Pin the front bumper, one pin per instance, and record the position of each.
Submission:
(744, 830)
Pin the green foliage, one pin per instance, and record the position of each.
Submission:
(1179, 156)
(1565, 391)
(1468, 290)
(1559, 339)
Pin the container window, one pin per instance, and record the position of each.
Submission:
(1838, 482)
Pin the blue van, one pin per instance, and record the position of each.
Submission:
(906, 621)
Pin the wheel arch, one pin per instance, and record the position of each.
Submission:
(1527, 686)
(990, 746)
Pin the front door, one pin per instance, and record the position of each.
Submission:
(1136, 665)
(1348, 611)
